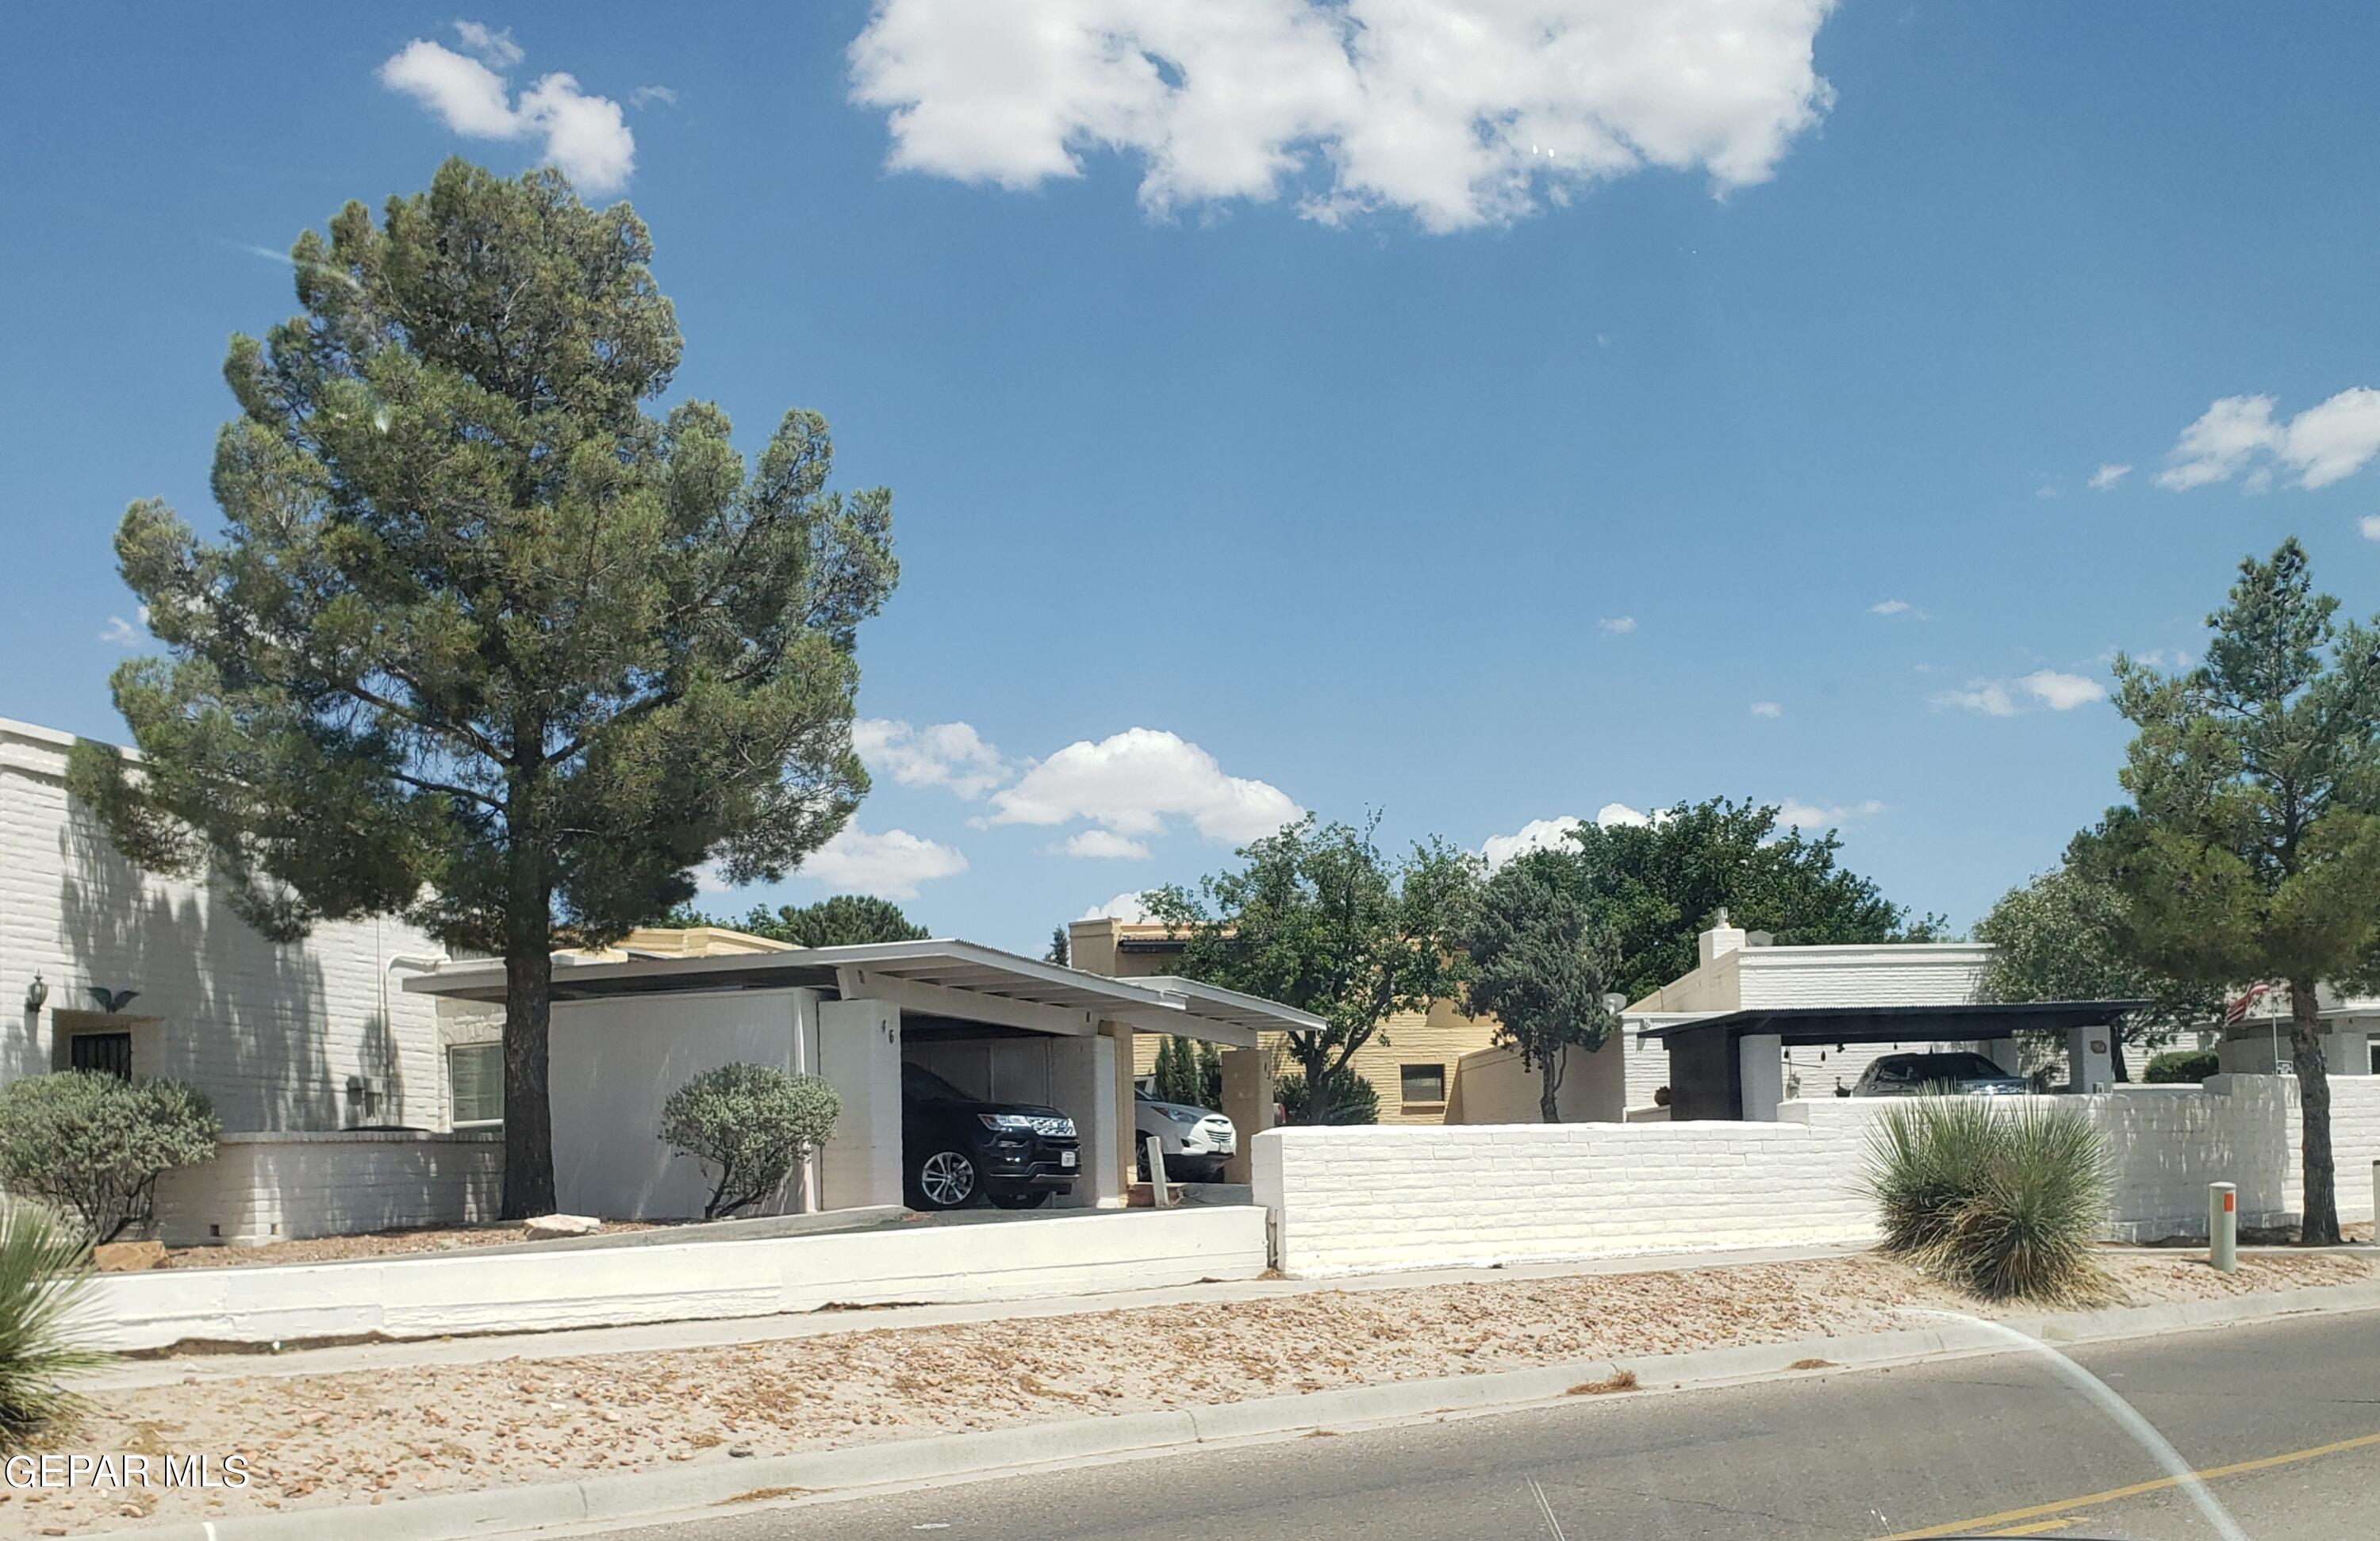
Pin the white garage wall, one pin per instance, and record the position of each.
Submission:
(263, 1188)
(613, 1062)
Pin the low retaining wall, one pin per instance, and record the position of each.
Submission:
(1351, 1199)
(281, 1187)
(456, 1293)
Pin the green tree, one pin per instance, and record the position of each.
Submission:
(1061, 947)
(485, 642)
(2060, 938)
(1318, 918)
(1661, 883)
(844, 921)
(1542, 962)
(2250, 847)
(1181, 1073)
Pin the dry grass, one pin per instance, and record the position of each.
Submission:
(380, 1244)
(1623, 1381)
(380, 1435)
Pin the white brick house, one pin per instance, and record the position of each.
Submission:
(303, 1038)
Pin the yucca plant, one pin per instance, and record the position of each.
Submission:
(46, 1276)
(1999, 1202)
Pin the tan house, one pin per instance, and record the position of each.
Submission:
(1414, 1062)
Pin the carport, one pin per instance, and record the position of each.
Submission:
(997, 1025)
(1732, 1066)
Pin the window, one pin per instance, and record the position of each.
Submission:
(475, 1083)
(1423, 1083)
(109, 1052)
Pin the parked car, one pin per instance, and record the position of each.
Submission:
(956, 1148)
(1196, 1142)
(1960, 1071)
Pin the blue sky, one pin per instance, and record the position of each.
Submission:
(1285, 400)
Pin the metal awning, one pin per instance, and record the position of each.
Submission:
(1800, 1026)
(958, 980)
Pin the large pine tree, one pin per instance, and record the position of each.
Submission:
(484, 640)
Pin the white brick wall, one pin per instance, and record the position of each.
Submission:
(270, 1033)
(1362, 1198)
(263, 1188)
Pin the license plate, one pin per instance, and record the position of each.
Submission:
(1065, 1157)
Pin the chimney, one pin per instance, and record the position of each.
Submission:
(1721, 938)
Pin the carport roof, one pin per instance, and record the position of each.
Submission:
(1799, 1026)
(1151, 1004)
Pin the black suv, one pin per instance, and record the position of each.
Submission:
(953, 1147)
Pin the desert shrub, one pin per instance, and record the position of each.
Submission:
(2182, 1064)
(44, 1279)
(94, 1145)
(2000, 1202)
(1353, 1099)
(753, 1122)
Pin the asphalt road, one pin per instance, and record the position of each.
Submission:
(2285, 1414)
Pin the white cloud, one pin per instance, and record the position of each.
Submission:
(1461, 112)
(1102, 845)
(2370, 525)
(1766, 708)
(889, 866)
(1539, 834)
(585, 134)
(1124, 907)
(496, 48)
(121, 633)
(1617, 625)
(645, 96)
(1133, 782)
(2063, 692)
(2053, 688)
(1895, 607)
(947, 754)
(1792, 812)
(2326, 442)
(2108, 475)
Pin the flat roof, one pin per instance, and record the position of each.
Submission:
(1820, 1024)
(949, 965)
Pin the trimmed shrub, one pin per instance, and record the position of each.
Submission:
(753, 1122)
(92, 1145)
(1353, 1099)
(2182, 1064)
(1999, 1202)
(45, 1280)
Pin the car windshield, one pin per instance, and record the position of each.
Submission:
(1941, 1067)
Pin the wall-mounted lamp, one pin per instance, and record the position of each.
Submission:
(36, 993)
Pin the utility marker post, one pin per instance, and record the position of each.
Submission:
(2223, 1226)
(1159, 1195)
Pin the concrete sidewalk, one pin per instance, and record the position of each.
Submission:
(664, 1336)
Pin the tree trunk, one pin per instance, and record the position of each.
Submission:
(529, 1111)
(1318, 1087)
(2320, 1224)
(1550, 1078)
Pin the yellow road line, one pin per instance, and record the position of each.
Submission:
(2035, 1512)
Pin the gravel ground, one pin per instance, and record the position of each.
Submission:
(381, 1244)
(375, 1436)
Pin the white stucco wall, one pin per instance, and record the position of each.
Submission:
(1384, 1198)
(611, 1065)
(455, 1293)
(270, 1032)
(283, 1187)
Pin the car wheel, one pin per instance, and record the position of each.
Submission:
(1031, 1198)
(945, 1179)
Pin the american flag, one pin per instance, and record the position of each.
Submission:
(2236, 1012)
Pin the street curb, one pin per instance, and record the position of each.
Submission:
(656, 1495)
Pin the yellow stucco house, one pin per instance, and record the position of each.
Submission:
(1414, 1062)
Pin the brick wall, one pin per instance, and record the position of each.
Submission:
(263, 1188)
(270, 1032)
